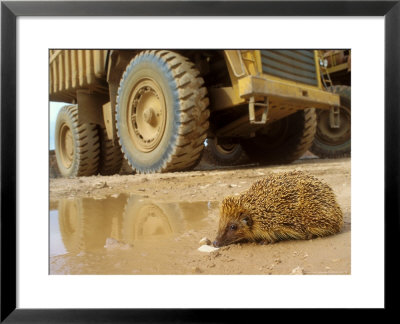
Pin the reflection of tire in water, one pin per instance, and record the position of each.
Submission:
(144, 219)
(84, 225)
(114, 208)
(194, 213)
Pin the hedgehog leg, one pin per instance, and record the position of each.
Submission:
(289, 233)
(310, 236)
(267, 237)
(319, 232)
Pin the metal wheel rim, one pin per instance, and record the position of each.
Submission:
(335, 136)
(225, 148)
(66, 145)
(146, 115)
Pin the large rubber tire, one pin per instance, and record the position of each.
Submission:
(76, 144)
(224, 155)
(334, 142)
(283, 141)
(161, 113)
(110, 154)
(125, 168)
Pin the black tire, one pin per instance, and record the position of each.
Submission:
(330, 142)
(285, 140)
(76, 144)
(125, 168)
(110, 154)
(224, 155)
(161, 113)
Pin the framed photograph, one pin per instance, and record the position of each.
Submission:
(81, 250)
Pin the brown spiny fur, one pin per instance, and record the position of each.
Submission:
(289, 205)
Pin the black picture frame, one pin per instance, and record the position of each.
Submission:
(10, 10)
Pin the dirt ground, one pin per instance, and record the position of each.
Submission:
(152, 224)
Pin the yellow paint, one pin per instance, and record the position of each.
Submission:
(317, 68)
(273, 87)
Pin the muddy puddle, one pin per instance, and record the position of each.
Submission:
(149, 225)
(125, 234)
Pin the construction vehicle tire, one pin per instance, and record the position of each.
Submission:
(285, 140)
(76, 144)
(162, 112)
(334, 142)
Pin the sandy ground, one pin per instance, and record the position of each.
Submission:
(152, 224)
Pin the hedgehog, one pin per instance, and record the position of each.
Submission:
(282, 206)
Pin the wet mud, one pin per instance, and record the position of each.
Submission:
(152, 224)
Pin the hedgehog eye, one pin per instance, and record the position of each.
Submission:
(233, 227)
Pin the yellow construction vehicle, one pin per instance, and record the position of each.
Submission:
(333, 135)
(157, 107)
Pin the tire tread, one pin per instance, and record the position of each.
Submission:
(193, 114)
(86, 158)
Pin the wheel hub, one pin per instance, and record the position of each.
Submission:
(226, 148)
(147, 113)
(149, 116)
(66, 144)
(330, 135)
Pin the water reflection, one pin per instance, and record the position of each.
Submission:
(89, 225)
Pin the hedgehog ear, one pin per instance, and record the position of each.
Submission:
(247, 221)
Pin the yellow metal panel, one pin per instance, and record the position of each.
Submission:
(317, 68)
(249, 60)
(89, 66)
(55, 78)
(222, 98)
(257, 55)
(236, 63)
(60, 71)
(71, 70)
(67, 69)
(99, 57)
(54, 54)
(51, 80)
(265, 86)
(108, 119)
(242, 62)
(74, 68)
(81, 67)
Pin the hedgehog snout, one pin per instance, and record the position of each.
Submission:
(226, 237)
